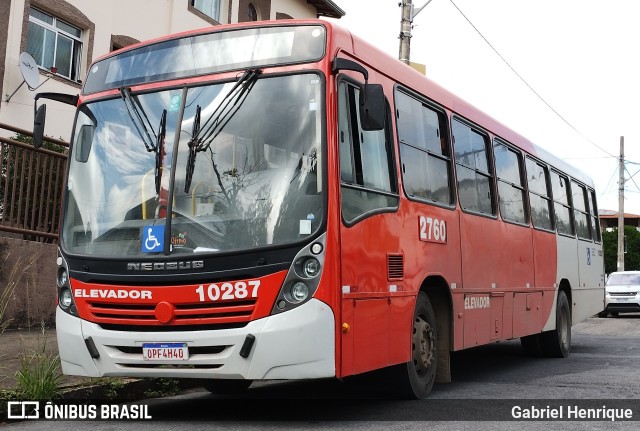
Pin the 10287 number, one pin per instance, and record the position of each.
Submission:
(228, 291)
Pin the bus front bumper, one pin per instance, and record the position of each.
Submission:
(298, 344)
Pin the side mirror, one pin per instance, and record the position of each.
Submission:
(85, 140)
(372, 101)
(372, 107)
(38, 126)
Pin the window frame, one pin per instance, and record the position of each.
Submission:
(594, 215)
(391, 160)
(523, 186)
(77, 43)
(548, 198)
(202, 14)
(587, 212)
(569, 205)
(444, 119)
(490, 174)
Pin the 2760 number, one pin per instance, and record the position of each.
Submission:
(228, 291)
(432, 230)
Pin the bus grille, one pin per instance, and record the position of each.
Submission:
(211, 315)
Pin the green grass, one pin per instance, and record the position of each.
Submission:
(39, 376)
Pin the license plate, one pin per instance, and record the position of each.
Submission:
(165, 352)
(622, 299)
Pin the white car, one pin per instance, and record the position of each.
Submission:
(622, 293)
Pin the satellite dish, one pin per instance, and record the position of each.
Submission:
(30, 74)
(29, 70)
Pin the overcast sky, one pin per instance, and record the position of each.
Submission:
(581, 56)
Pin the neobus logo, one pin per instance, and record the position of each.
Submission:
(161, 266)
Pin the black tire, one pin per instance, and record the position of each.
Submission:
(557, 342)
(615, 314)
(226, 386)
(414, 379)
(531, 345)
(603, 314)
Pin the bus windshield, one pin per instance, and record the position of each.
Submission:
(198, 169)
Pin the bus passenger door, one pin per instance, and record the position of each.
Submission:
(369, 238)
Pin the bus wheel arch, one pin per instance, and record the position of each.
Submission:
(437, 290)
(556, 343)
(430, 343)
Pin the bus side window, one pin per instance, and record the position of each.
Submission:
(510, 187)
(560, 187)
(424, 150)
(366, 163)
(581, 211)
(597, 235)
(475, 189)
(539, 195)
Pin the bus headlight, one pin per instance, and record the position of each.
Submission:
(298, 292)
(65, 299)
(311, 267)
(303, 278)
(63, 277)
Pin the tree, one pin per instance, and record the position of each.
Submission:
(610, 246)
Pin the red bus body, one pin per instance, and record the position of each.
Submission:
(486, 279)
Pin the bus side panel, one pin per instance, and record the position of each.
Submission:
(480, 245)
(588, 297)
(527, 316)
(366, 292)
(497, 259)
(545, 252)
(515, 270)
(567, 261)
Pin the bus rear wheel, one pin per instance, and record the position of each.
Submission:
(557, 342)
(415, 378)
(226, 386)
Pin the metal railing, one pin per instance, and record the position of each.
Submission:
(31, 182)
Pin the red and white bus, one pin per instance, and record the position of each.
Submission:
(282, 200)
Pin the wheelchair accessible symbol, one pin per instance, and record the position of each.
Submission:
(152, 239)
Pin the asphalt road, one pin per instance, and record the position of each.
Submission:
(490, 384)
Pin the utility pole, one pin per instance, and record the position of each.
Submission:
(621, 207)
(408, 14)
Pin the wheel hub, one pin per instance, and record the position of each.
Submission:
(423, 345)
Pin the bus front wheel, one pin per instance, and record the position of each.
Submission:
(415, 378)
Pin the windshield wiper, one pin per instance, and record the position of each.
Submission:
(162, 131)
(193, 147)
(125, 92)
(134, 106)
(201, 138)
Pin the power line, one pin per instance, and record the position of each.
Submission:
(609, 182)
(527, 84)
(631, 178)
